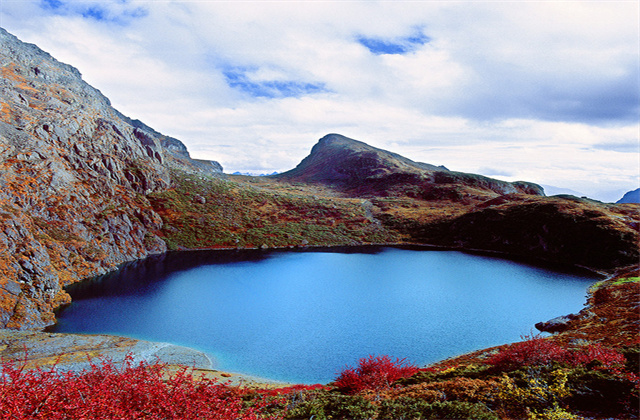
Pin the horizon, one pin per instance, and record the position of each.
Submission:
(545, 92)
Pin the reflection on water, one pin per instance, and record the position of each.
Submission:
(301, 316)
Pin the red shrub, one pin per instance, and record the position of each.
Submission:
(531, 352)
(108, 392)
(535, 351)
(374, 372)
(599, 357)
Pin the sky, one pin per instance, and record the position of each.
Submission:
(540, 91)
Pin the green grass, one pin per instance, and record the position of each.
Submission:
(616, 282)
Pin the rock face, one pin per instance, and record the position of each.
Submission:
(74, 173)
(360, 169)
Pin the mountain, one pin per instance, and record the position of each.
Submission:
(630, 197)
(73, 179)
(550, 190)
(84, 189)
(359, 169)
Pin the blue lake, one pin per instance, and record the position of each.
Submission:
(301, 316)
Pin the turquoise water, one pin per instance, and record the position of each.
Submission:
(302, 316)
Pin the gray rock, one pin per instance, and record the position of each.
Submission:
(557, 324)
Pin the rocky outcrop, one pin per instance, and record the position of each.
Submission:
(74, 175)
(557, 324)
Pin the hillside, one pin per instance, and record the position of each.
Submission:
(432, 205)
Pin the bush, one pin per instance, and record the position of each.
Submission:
(536, 392)
(373, 373)
(604, 393)
(109, 392)
(533, 351)
(598, 357)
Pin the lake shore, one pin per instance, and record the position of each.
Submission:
(77, 352)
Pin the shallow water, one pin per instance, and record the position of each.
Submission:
(302, 316)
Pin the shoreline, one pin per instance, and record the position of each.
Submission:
(66, 352)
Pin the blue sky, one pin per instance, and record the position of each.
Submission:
(401, 46)
(540, 91)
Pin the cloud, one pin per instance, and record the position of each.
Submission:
(544, 91)
(551, 61)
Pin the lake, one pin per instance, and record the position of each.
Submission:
(301, 316)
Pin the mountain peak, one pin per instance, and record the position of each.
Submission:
(339, 159)
(358, 168)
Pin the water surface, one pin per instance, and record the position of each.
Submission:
(302, 316)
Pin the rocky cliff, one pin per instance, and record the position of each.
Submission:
(74, 174)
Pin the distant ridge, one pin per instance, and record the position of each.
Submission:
(630, 197)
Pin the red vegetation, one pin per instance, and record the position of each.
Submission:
(598, 357)
(373, 373)
(532, 351)
(108, 392)
(535, 351)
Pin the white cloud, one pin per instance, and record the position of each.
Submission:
(546, 91)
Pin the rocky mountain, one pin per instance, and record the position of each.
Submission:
(359, 169)
(74, 173)
(630, 197)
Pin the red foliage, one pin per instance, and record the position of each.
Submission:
(535, 351)
(374, 373)
(532, 351)
(108, 392)
(598, 357)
